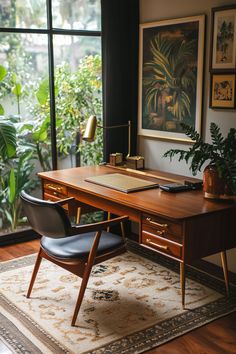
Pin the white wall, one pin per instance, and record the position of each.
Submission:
(153, 149)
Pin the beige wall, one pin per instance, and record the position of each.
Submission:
(153, 149)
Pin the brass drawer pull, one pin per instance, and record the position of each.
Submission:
(58, 189)
(164, 226)
(156, 244)
(160, 233)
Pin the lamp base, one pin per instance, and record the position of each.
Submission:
(135, 162)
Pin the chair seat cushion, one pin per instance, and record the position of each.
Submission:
(79, 246)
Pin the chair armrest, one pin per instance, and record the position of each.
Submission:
(64, 201)
(80, 229)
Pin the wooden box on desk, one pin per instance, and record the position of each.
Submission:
(116, 159)
(135, 162)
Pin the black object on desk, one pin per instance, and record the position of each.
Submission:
(175, 187)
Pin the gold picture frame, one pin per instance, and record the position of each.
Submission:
(222, 90)
(171, 61)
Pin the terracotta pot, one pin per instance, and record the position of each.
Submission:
(213, 185)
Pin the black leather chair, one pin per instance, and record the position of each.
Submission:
(75, 248)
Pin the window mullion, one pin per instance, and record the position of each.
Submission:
(51, 86)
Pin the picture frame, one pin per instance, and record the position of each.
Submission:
(222, 90)
(223, 38)
(171, 60)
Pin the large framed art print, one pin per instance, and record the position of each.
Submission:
(170, 76)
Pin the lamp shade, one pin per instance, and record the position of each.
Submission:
(90, 129)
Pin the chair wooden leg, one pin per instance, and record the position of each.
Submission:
(182, 282)
(86, 274)
(81, 293)
(34, 274)
(225, 270)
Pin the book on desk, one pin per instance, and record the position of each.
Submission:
(121, 182)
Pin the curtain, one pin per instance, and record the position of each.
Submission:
(120, 29)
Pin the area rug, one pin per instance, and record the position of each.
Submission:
(131, 304)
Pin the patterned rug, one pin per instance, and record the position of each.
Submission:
(131, 304)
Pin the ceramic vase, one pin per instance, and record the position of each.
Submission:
(213, 184)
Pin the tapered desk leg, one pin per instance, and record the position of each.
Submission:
(225, 270)
(78, 215)
(122, 230)
(182, 282)
(108, 218)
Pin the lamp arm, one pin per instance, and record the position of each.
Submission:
(113, 126)
(120, 126)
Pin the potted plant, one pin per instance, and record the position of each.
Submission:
(219, 177)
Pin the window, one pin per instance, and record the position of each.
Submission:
(50, 83)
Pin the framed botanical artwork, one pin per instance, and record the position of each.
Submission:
(170, 77)
(223, 38)
(222, 91)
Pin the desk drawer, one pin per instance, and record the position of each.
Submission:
(54, 191)
(162, 227)
(162, 245)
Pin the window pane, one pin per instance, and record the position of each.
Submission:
(77, 14)
(23, 102)
(23, 13)
(78, 92)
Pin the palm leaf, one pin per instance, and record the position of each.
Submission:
(181, 106)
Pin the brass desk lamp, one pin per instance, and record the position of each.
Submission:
(135, 162)
(91, 126)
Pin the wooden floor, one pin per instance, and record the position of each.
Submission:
(218, 337)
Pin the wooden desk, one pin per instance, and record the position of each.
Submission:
(183, 226)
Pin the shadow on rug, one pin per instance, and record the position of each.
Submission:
(131, 304)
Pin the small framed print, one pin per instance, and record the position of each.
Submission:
(222, 91)
(223, 35)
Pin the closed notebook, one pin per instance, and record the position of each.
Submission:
(122, 183)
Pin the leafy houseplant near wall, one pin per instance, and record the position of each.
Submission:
(219, 178)
(15, 175)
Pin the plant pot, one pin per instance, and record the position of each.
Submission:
(157, 122)
(171, 125)
(214, 186)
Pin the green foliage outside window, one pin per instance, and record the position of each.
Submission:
(78, 95)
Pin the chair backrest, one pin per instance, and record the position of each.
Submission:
(45, 217)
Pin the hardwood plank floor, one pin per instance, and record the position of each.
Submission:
(218, 337)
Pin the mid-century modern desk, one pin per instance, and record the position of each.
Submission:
(183, 226)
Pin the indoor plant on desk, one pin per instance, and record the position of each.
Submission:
(219, 177)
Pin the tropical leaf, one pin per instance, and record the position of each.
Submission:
(1, 110)
(43, 92)
(12, 186)
(216, 136)
(16, 89)
(3, 72)
(7, 140)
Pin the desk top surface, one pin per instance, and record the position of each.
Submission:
(180, 205)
